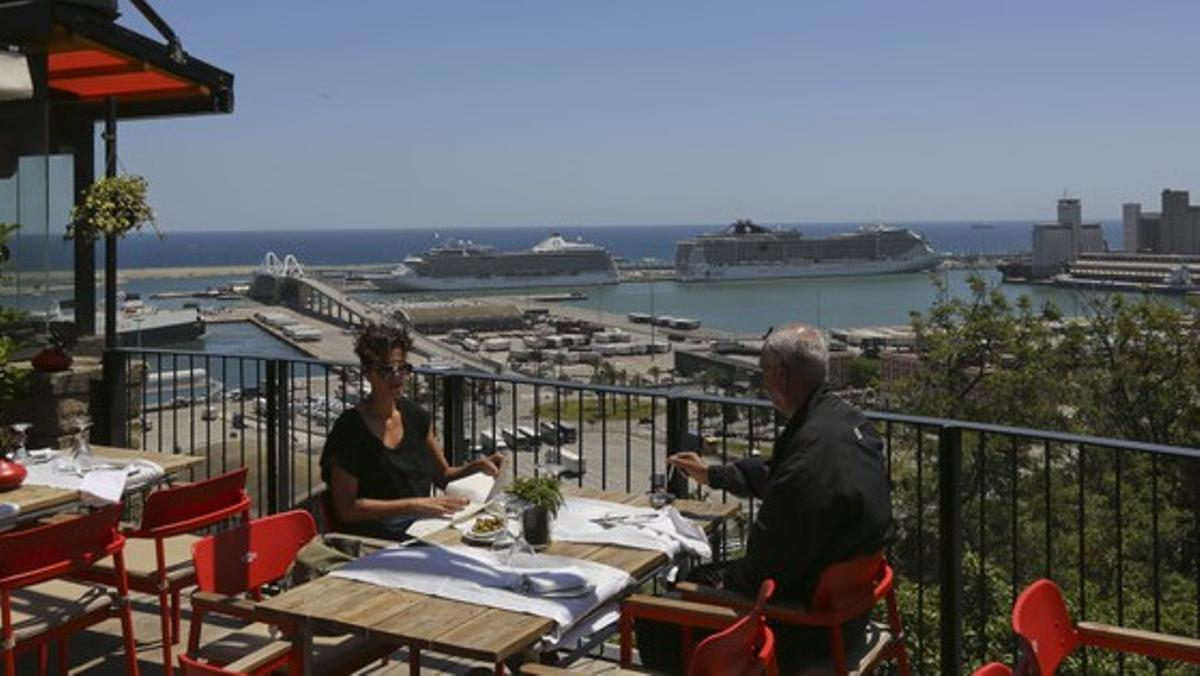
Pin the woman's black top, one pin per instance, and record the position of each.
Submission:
(404, 471)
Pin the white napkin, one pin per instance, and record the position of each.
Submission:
(478, 489)
(8, 514)
(477, 576)
(664, 530)
(103, 486)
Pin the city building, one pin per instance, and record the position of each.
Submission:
(1174, 230)
(1055, 245)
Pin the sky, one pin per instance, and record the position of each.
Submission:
(478, 113)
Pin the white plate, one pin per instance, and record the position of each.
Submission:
(471, 537)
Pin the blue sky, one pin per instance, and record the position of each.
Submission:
(405, 114)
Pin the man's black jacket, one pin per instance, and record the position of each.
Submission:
(825, 498)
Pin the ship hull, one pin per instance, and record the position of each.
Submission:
(745, 272)
(402, 283)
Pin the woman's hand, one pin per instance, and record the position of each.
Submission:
(489, 465)
(439, 506)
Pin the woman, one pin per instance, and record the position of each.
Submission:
(381, 457)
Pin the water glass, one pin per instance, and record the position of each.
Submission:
(82, 458)
(20, 432)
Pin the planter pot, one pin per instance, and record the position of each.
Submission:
(11, 474)
(51, 360)
(535, 521)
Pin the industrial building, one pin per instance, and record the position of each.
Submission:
(1055, 245)
(1174, 230)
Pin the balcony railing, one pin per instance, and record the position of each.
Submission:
(981, 510)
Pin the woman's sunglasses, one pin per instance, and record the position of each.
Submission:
(403, 369)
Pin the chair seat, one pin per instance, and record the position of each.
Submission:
(860, 659)
(142, 561)
(42, 607)
(331, 654)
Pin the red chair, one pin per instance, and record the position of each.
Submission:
(845, 591)
(38, 607)
(159, 551)
(237, 563)
(1040, 617)
(993, 669)
(745, 648)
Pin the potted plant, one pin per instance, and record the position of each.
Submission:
(57, 355)
(542, 496)
(113, 206)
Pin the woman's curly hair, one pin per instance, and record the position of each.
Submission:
(375, 344)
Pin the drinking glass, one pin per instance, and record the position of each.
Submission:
(20, 432)
(512, 538)
(81, 451)
(659, 495)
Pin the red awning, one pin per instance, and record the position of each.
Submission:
(87, 72)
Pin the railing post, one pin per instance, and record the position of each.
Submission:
(278, 451)
(115, 408)
(950, 553)
(677, 409)
(453, 418)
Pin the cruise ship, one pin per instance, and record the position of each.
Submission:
(459, 265)
(748, 251)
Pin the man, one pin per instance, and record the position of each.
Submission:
(824, 491)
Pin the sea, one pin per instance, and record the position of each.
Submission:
(748, 307)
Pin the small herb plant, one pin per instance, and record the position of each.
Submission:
(542, 492)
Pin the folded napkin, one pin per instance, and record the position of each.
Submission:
(8, 514)
(482, 577)
(602, 522)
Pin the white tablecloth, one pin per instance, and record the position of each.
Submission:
(664, 530)
(477, 576)
(103, 485)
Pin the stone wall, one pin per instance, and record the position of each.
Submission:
(52, 401)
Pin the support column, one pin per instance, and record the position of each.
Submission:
(110, 241)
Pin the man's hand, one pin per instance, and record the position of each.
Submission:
(692, 465)
(440, 506)
(490, 465)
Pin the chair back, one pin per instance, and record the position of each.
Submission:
(744, 648)
(191, 666)
(848, 589)
(993, 669)
(189, 507)
(1040, 617)
(243, 559)
(41, 553)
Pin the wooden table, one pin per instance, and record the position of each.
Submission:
(425, 622)
(37, 500)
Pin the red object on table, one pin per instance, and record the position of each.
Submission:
(11, 474)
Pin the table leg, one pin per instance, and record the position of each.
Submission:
(414, 660)
(304, 635)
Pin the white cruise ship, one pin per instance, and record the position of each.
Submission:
(459, 265)
(747, 251)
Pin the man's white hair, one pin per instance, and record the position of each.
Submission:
(801, 350)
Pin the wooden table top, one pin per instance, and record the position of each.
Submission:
(34, 500)
(454, 627)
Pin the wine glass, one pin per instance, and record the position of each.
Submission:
(512, 538)
(20, 433)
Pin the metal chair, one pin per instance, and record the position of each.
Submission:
(237, 563)
(49, 608)
(845, 591)
(1041, 619)
(159, 550)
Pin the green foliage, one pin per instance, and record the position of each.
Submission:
(111, 206)
(10, 379)
(863, 372)
(541, 491)
(1115, 529)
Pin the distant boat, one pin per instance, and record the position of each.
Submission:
(745, 250)
(459, 265)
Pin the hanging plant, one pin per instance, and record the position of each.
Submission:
(111, 206)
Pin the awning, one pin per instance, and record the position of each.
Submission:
(89, 59)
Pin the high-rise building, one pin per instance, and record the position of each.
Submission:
(1055, 245)
(1174, 230)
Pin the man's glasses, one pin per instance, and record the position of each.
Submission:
(402, 369)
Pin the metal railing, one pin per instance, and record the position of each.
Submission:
(980, 510)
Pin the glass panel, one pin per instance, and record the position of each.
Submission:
(38, 197)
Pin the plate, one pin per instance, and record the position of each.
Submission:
(582, 590)
(471, 537)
